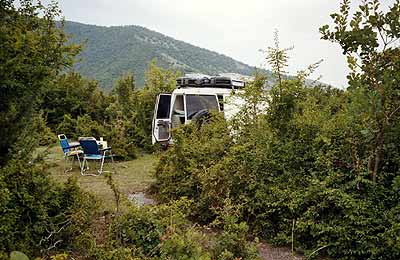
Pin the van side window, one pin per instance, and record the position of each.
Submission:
(196, 103)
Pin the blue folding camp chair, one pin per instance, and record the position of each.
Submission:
(91, 151)
(70, 151)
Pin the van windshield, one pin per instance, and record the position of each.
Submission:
(195, 103)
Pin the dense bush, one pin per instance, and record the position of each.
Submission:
(164, 232)
(182, 168)
(146, 228)
(289, 172)
(38, 216)
(315, 167)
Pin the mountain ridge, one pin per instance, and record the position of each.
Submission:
(111, 51)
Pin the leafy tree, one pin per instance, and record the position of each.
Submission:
(36, 216)
(369, 40)
(121, 115)
(158, 80)
(71, 94)
(33, 51)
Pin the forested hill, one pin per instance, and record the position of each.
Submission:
(111, 51)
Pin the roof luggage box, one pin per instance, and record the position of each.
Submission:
(203, 81)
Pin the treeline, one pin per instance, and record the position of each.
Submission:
(77, 107)
(319, 168)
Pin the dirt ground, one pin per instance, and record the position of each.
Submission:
(268, 252)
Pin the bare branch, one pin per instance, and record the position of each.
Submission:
(393, 112)
(54, 245)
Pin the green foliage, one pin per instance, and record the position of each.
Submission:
(187, 245)
(164, 232)
(316, 167)
(181, 169)
(33, 52)
(36, 214)
(43, 134)
(278, 58)
(145, 228)
(233, 243)
(72, 95)
(59, 257)
(368, 39)
(114, 254)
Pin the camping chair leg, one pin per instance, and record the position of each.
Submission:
(65, 164)
(84, 162)
(79, 161)
(101, 164)
(87, 165)
(73, 161)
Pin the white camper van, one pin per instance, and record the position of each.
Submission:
(195, 96)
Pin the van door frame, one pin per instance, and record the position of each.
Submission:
(155, 122)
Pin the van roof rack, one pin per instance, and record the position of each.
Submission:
(203, 81)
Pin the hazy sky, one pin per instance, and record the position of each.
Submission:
(235, 28)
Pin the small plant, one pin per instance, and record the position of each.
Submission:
(233, 242)
(186, 245)
(147, 227)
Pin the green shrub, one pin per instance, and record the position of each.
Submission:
(16, 255)
(181, 169)
(67, 126)
(189, 244)
(117, 253)
(37, 214)
(233, 242)
(300, 163)
(44, 133)
(145, 228)
(123, 145)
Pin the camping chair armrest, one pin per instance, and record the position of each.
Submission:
(105, 149)
(73, 146)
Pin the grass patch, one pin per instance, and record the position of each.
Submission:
(131, 176)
